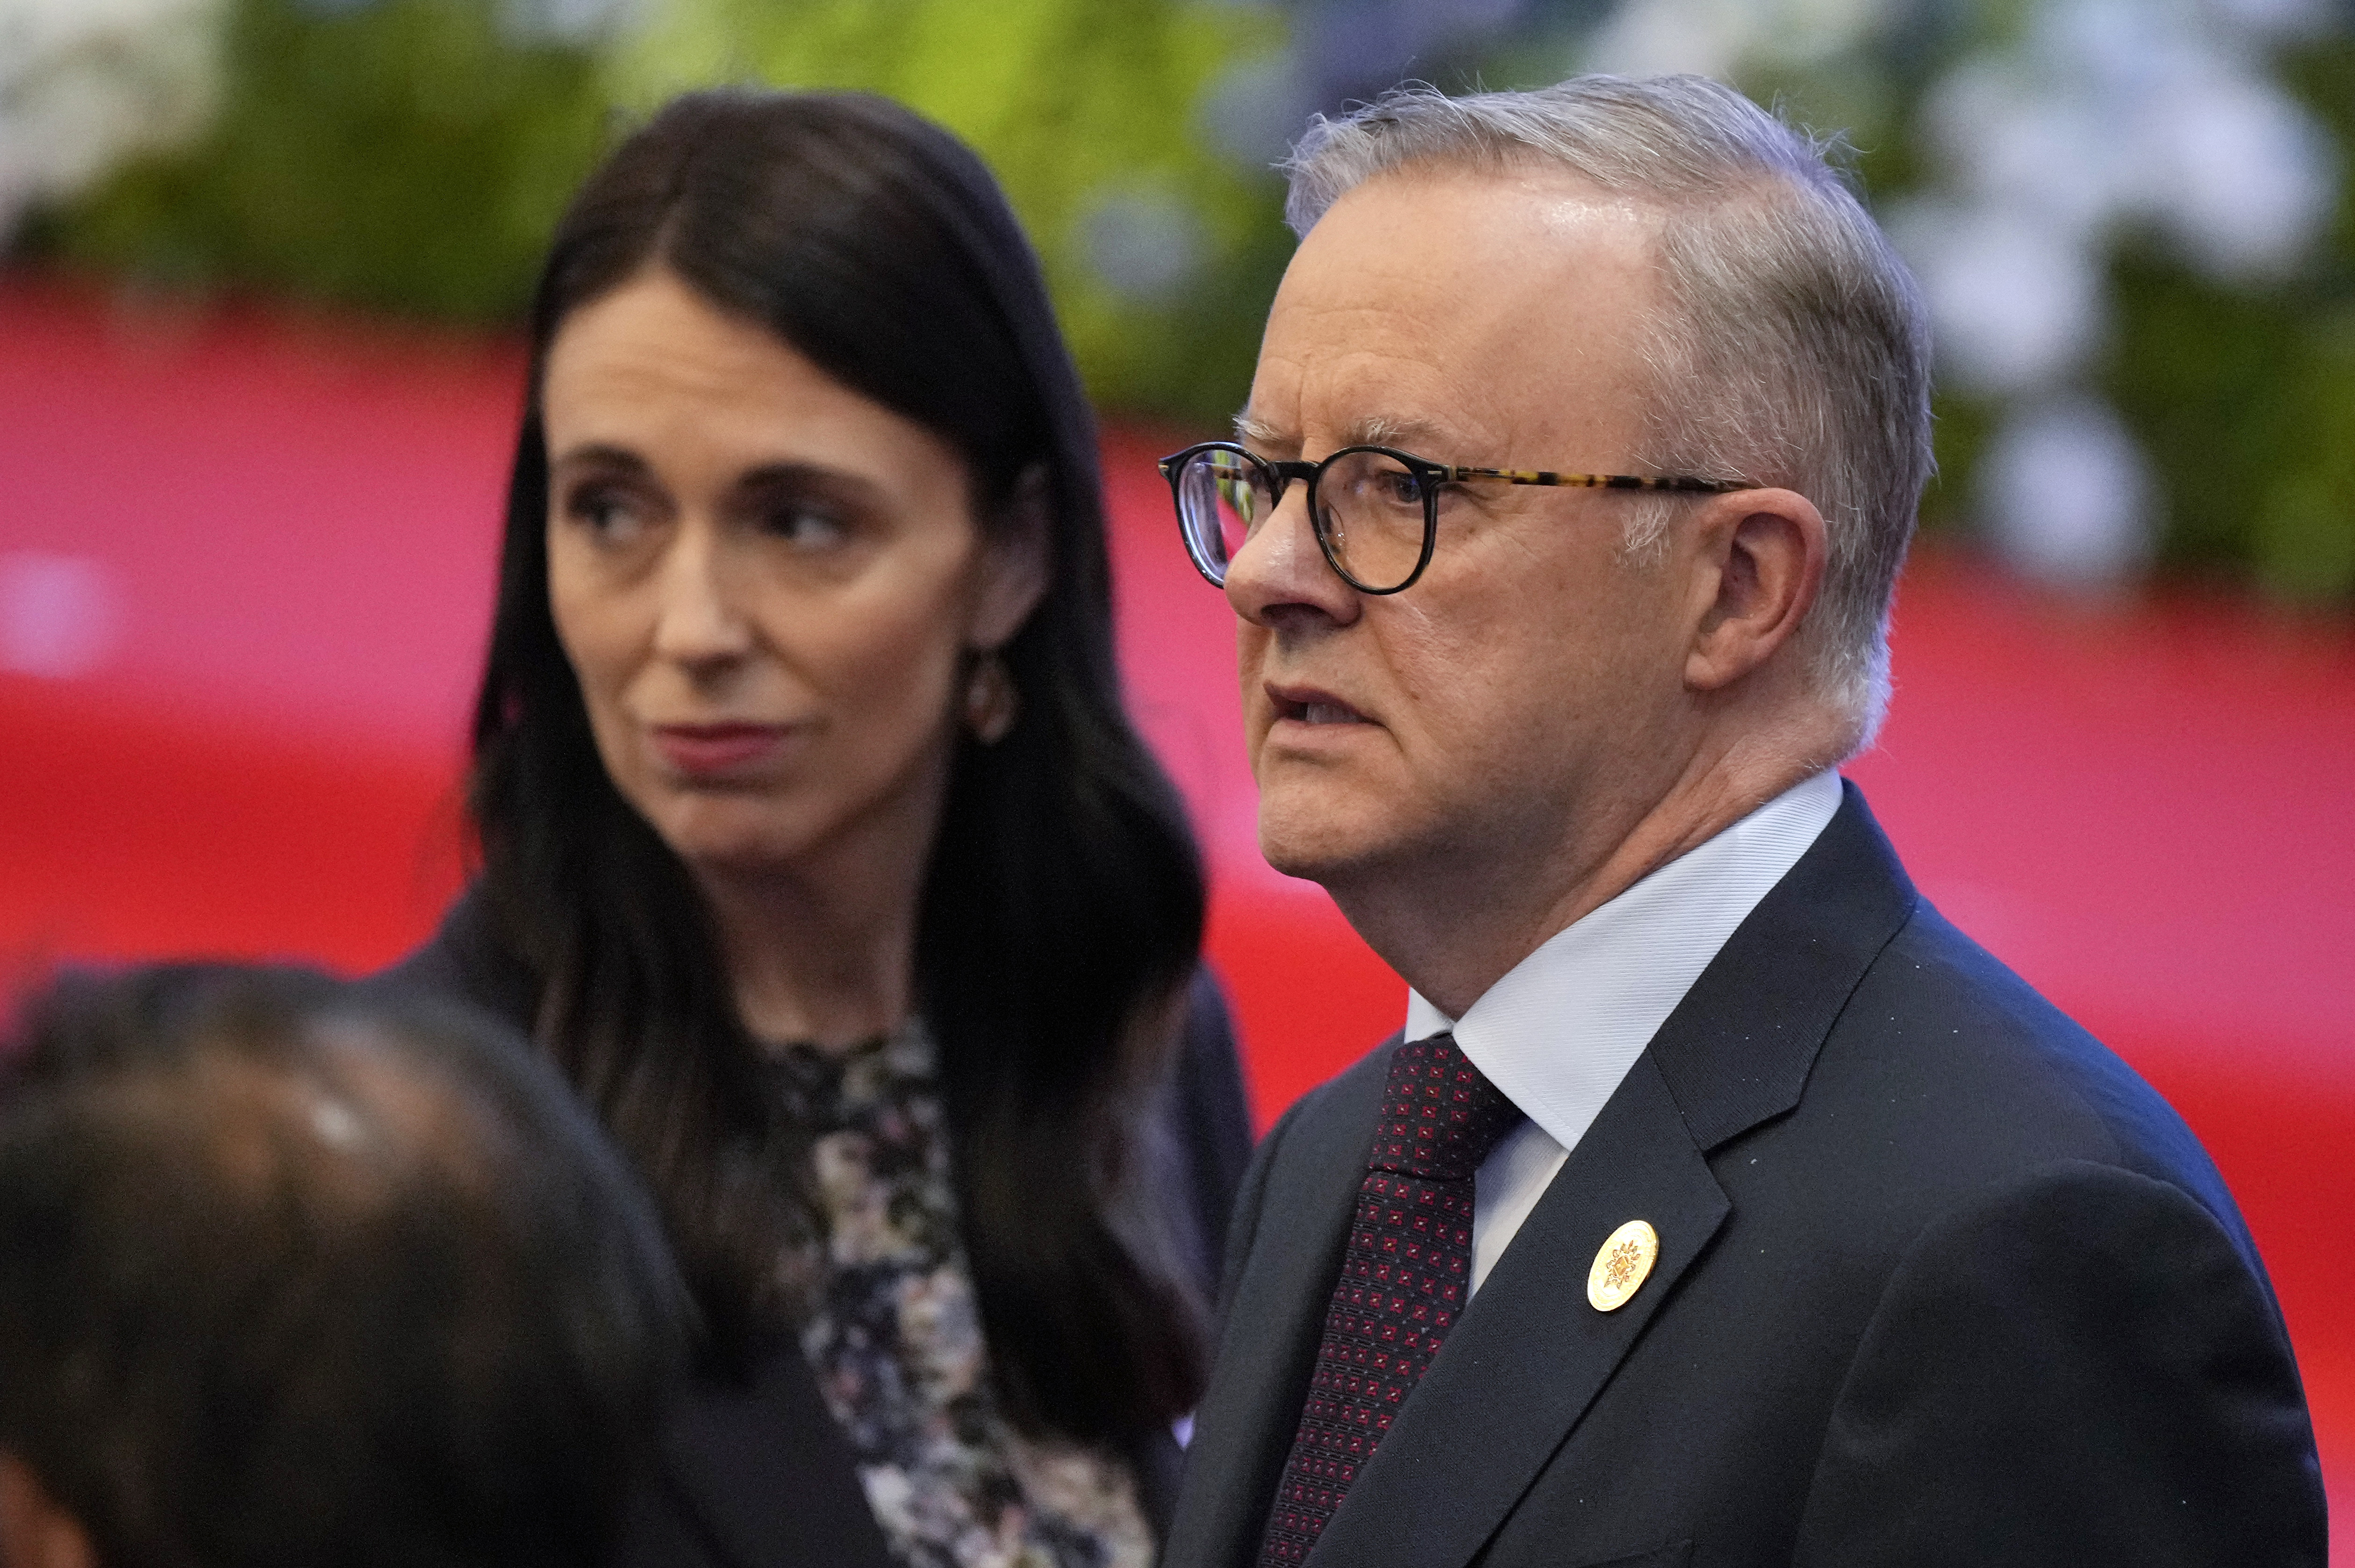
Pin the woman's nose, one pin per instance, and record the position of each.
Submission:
(697, 621)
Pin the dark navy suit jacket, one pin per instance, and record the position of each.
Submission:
(758, 1475)
(1941, 1281)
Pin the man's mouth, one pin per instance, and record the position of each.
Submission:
(1313, 707)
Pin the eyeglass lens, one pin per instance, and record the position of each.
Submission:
(1222, 497)
(1371, 513)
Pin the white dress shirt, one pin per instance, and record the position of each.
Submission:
(1563, 1025)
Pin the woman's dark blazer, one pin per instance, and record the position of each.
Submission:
(757, 1475)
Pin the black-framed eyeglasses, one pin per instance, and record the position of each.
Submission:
(1375, 510)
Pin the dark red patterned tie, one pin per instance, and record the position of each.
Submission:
(1403, 1280)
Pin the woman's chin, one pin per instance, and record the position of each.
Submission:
(720, 842)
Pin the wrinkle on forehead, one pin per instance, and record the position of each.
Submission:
(1419, 435)
(1505, 312)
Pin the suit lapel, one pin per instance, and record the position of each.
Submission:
(1529, 1354)
(1245, 1425)
(1738, 1049)
(765, 1475)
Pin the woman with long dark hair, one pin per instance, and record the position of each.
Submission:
(817, 847)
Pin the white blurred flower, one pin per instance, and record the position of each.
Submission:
(2107, 114)
(86, 83)
(1655, 37)
(2111, 113)
(1146, 245)
(2245, 178)
(2067, 494)
(2092, 119)
(2015, 298)
(1254, 108)
(2008, 141)
(1648, 37)
(579, 24)
(2278, 18)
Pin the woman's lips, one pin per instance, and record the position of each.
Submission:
(702, 750)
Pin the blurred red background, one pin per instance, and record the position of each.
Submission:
(245, 568)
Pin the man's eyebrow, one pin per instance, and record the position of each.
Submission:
(1416, 436)
(1258, 433)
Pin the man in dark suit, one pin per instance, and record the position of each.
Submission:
(289, 1278)
(1722, 1204)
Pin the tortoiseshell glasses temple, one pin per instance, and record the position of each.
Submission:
(1379, 536)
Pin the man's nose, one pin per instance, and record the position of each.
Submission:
(1280, 575)
(697, 621)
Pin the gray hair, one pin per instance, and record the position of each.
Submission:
(1794, 350)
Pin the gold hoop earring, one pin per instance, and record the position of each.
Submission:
(991, 702)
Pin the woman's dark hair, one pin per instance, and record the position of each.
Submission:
(1062, 913)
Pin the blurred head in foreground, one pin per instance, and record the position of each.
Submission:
(290, 1279)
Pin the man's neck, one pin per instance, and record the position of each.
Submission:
(1454, 927)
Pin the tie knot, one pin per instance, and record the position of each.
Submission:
(1439, 1116)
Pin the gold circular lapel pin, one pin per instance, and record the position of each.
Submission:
(1622, 1266)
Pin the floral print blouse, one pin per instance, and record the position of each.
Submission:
(895, 1336)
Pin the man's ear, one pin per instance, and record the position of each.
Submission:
(1759, 566)
(1016, 562)
(34, 1532)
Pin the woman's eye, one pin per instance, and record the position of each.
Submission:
(607, 514)
(806, 526)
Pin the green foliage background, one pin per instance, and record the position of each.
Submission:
(2245, 400)
(407, 157)
(1069, 100)
(410, 156)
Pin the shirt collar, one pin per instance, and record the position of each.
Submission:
(1563, 1025)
